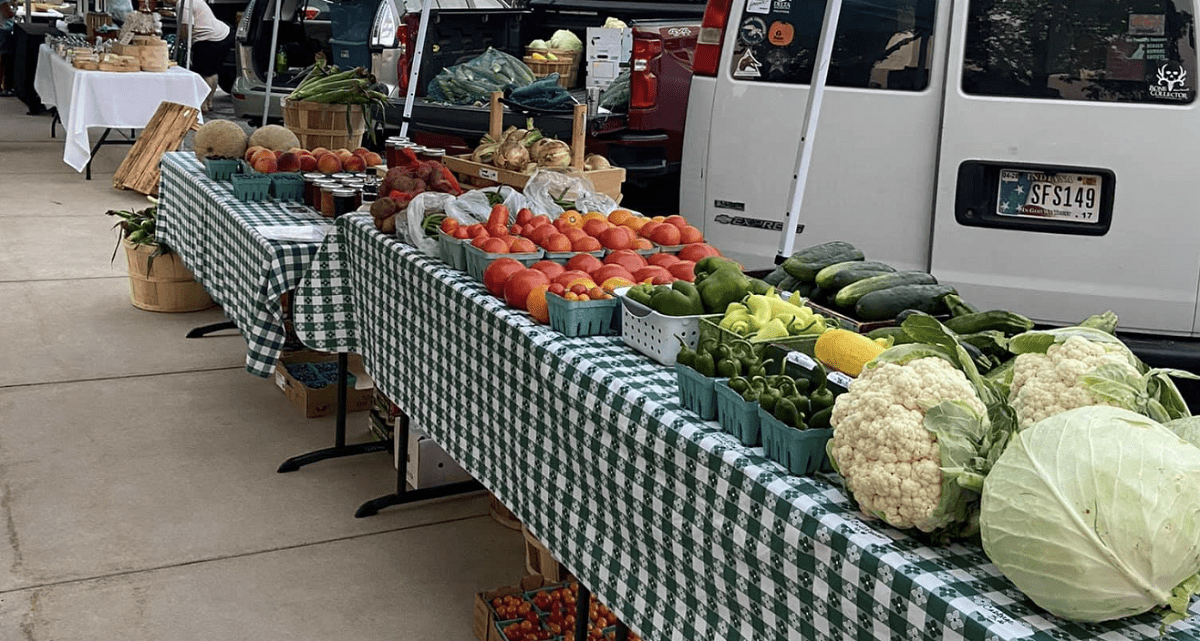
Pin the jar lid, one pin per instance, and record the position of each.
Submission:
(331, 187)
(341, 176)
(316, 175)
(435, 151)
(344, 191)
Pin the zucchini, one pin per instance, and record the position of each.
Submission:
(838, 276)
(805, 263)
(884, 304)
(788, 284)
(1009, 323)
(849, 295)
(775, 277)
(804, 289)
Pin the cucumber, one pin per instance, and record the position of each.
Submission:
(838, 276)
(788, 284)
(849, 295)
(805, 263)
(775, 277)
(884, 304)
(1009, 323)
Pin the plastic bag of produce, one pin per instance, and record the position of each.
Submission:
(544, 95)
(413, 231)
(616, 97)
(551, 192)
(475, 80)
(475, 206)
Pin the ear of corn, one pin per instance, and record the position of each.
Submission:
(846, 351)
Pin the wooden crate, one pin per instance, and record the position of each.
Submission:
(139, 171)
(606, 181)
(539, 561)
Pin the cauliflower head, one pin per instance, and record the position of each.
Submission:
(1047, 384)
(890, 461)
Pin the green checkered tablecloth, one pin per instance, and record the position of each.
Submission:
(217, 237)
(682, 531)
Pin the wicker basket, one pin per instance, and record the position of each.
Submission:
(567, 66)
(164, 284)
(321, 125)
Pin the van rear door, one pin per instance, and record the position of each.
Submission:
(1067, 175)
(872, 172)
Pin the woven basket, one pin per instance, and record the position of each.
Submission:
(321, 125)
(567, 66)
(164, 284)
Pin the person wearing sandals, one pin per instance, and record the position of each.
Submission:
(8, 22)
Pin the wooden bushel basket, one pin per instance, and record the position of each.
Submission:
(321, 125)
(164, 285)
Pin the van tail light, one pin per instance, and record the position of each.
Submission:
(712, 32)
(643, 84)
(406, 40)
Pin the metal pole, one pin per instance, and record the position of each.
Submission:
(271, 62)
(812, 113)
(415, 68)
(191, 30)
(28, 11)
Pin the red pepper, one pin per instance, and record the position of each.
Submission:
(499, 216)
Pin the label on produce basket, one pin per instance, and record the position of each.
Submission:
(841, 379)
(801, 359)
(489, 174)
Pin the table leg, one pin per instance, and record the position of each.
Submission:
(99, 143)
(403, 495)
(339, 449)
(583, 602)
(54, 121)
(208, 329)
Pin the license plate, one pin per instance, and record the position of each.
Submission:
(1057, 196)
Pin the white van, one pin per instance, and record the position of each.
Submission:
(1039, 155)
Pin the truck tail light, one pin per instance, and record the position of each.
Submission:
(712, 32)
(406, 40)
(643, 84)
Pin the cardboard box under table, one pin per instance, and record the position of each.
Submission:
(314, 402)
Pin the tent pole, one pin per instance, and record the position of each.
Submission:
(271, 62)
(415, 68)
(816, 95)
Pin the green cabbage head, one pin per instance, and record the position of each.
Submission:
(1094, 514)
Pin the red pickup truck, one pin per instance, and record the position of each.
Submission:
(646, 138)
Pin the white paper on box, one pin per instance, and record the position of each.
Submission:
(609, 44)
(428, 463)
(602, 73)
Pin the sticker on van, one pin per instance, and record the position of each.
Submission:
(781, 34)
(748, 66)
(753, 31)
(1171, 83)
(758, 6)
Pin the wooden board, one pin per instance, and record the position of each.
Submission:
(139, 172)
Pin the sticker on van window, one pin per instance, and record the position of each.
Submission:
(753, 31)
(1170, 83)
(758, 6)
(1141, 24)
(781, 6)
(748, 66)
(781, 34)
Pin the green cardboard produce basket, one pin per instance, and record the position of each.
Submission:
(697, 392)
(736, 416)
(251, 187)
(452, 250)
(802, 452)
(221, 169)
(478, 260)
(583, 318)
(287, 186)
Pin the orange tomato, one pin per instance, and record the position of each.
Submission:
(539, 309)
(619, 216)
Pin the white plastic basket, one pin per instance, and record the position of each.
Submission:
(652, 333)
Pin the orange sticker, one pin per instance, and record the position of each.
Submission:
(781, 34)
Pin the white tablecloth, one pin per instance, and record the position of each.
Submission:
(108, 99)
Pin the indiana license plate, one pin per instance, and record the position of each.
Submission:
(1057, 196)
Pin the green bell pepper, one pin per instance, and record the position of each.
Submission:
(723, 287)
(641, 294)
(708, 265)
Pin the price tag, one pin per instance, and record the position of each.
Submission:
(489, 174)
(281, 381)
(801, 359)
(840, 379)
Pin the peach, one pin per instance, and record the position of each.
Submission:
(361, 152)
(308, 162)
(289, 162)
(354, 163)
(251, 151)
(265, 163)
(373, 159)
(318, 151)
(261, 153)
(329, 163)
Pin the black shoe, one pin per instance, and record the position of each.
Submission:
(7, 93)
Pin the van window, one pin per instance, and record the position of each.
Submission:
(880, 44)
(1110, 51)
